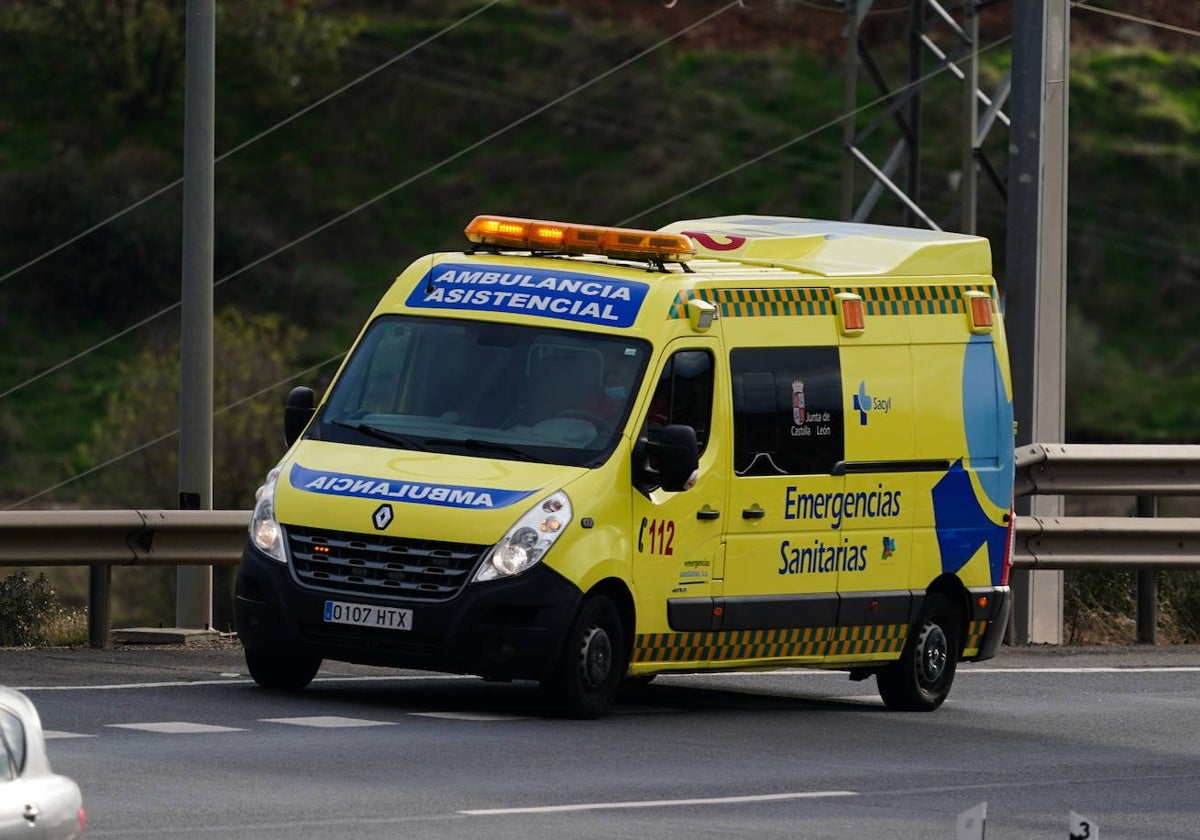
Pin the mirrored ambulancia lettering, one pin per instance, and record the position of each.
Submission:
(365, 487)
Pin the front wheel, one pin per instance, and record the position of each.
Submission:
(281, 671)
(920, 680)
(585, 681)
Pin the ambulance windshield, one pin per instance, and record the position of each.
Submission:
(487, 389)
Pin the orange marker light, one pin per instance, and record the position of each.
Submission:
(979, 312)
(851, 319)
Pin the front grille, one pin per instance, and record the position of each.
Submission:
(366, 564)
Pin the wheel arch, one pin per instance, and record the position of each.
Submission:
(953, 590)
(618, 592)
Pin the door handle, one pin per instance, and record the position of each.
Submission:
(708, 514)
(753, 513)
(31, 813)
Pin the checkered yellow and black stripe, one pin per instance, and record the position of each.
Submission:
(975, 631)
(877, 300)
(769, 644)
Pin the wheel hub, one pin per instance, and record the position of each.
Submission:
(596, 659)
(934, 653)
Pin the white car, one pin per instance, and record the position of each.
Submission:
(35, 802)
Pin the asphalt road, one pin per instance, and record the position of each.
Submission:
(177, 743)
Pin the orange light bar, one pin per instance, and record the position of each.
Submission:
(619, 243)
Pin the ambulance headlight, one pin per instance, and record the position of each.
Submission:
(528, 540)
(265, 532)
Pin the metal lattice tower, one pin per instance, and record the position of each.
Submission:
(943, 38)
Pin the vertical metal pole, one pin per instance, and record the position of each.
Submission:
(193, 596)
(1036, 296)
(968, 192)
(850, 104)
(99, 605)
(916, 61)
(1147, 586)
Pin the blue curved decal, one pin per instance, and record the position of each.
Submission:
(420, 493)
(563, 295)
(988, 420)
(963, 525)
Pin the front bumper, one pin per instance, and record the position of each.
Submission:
(505, 629)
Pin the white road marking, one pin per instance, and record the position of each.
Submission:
(481, 716)
(1097, 670)
(52, 734)
(246, 681)
(657, 803)
(328, 722)
(964, 669)
(175, 727)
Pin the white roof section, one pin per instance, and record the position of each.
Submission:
(836, 249)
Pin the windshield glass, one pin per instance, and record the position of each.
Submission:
(488, 389)
(12, 746)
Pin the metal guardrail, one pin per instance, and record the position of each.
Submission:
(1067, 469)
(103, 539)
(1102, 542)
(122, 537)
(1142, 542)
(1120, 542)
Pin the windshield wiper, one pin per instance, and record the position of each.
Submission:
(488, 446)
(403, 441)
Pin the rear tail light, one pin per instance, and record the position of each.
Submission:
(1010, 547)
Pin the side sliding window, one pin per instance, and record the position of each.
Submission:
(787, 410)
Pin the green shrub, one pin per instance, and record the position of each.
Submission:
(26, 605)
(1100, 607)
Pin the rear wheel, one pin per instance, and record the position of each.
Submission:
(920, 680)
(281, 671)
(585, 681)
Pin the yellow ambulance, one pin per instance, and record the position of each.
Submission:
(584, 455)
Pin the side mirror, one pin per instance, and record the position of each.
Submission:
(297, 411)
(671, 462)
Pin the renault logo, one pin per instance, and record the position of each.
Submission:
(382, 517)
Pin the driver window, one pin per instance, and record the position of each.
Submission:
(683, 396)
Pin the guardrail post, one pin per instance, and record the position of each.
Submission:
(99, 586)
(1147, 585)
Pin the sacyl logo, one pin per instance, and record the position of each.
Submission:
(382, 517)
(864, 403)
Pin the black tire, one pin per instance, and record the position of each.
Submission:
(920, 680)
(281, 671)
(589, 672)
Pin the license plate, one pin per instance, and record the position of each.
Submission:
(366, 615)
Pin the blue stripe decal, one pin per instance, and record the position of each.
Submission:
(415, 492)
(963, 526)
(562, 295)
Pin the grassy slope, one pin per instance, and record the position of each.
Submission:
(452, 130)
